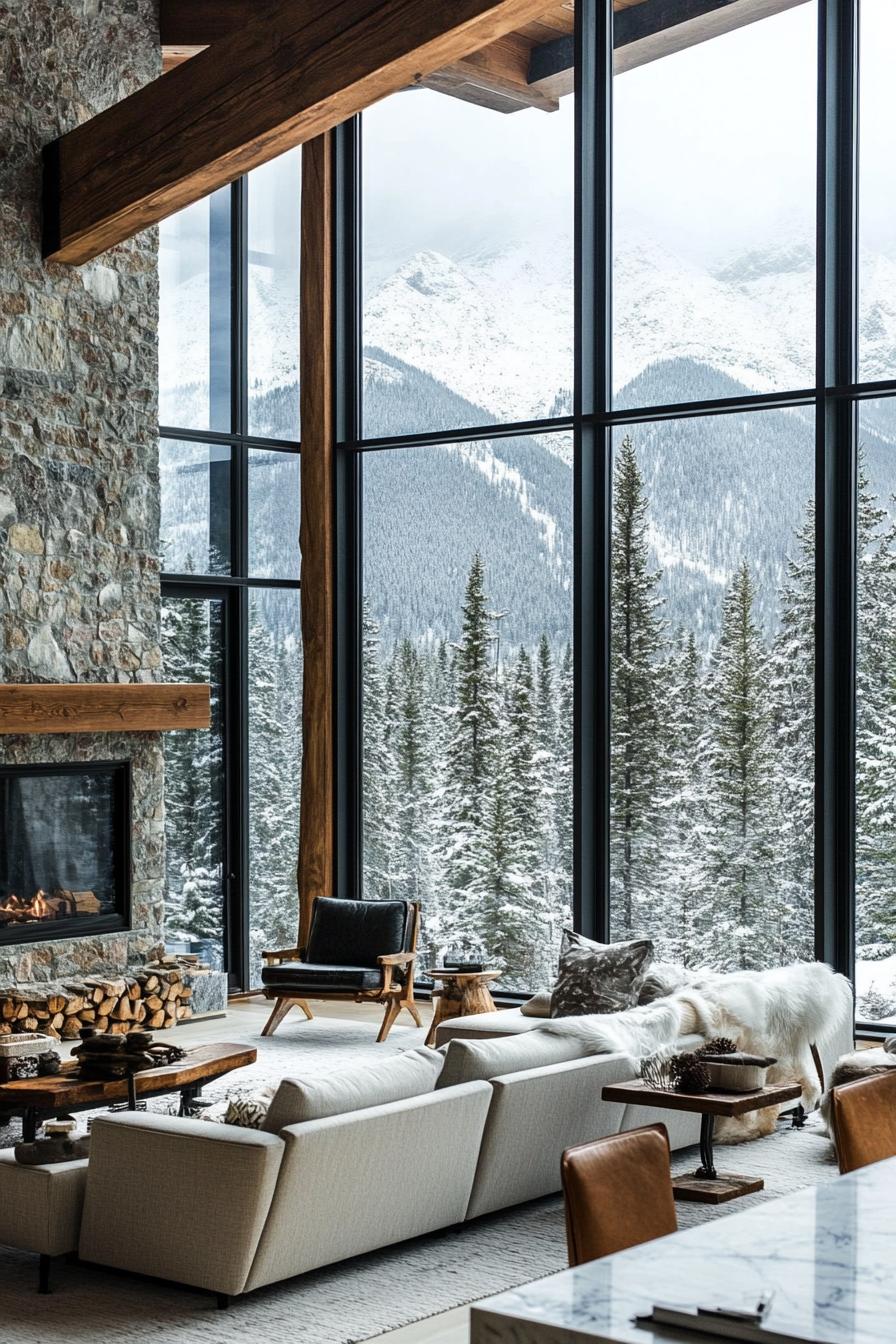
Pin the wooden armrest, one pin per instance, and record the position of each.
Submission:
(398, 959)
(294, 953)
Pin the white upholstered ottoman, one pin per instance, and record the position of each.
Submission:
(40, 1208)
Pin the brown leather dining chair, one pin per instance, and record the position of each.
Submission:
(618, 1193)
(863, 1119)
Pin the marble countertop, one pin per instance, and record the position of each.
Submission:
(828, 1253)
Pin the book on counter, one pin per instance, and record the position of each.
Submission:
(745, 1324)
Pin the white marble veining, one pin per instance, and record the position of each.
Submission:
(827, 1253)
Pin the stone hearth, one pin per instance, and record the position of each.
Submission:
(79, 506)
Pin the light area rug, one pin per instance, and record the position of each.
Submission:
(375, 1293)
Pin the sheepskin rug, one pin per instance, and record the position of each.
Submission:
(793, 1013)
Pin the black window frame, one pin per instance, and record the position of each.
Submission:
(834, 396)
(228, 360)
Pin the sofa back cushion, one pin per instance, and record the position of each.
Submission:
(598, 977)
(356, 933)
(470, 1060)
(394, 1078)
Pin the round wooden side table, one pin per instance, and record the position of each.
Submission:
(463, 993)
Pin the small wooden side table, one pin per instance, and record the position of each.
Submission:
(463, 994)
(707, 1185)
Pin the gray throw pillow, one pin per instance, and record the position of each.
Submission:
(598, 977)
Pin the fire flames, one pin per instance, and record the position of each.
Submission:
(63, 904)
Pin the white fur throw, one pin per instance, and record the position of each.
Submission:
(782, 1012)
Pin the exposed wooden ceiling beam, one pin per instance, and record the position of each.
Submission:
(286, 76)
(649, 30)
(496, 77)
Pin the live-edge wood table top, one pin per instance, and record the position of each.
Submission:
(708, 1103)
(67, 1088)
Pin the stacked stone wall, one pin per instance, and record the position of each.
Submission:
(79, 489)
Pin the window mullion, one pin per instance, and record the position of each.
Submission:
(836, 486)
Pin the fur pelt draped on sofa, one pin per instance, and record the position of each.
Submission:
(782, 1012)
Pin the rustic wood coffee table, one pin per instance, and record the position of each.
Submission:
(39, 1099)
(463, 993)
(707, 1185)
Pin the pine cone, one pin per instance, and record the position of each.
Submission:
(719, 1045)
(689, 1074)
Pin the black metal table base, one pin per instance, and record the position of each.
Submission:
(707, 1169)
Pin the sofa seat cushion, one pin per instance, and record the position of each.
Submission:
(356, 933)
(354, 1088)
(467, 1061)
(40, 1207)
(304, 977)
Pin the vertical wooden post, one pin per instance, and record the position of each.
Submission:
(317, 530)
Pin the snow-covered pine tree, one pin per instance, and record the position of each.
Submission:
(471, 761)
(412, 769)
(636, 697)
(378, 769)
(194, 782)
(549, 774)
(875, 729)
(741, 839)
(682, 918)
(521, 905)
(273, 792)
(792, 686)
(564, 811)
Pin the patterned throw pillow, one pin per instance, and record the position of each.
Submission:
(247, 1112)
(598, 977)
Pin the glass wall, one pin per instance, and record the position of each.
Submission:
(877, 225)
(713, 665)
(229, 471)
(195, 787)
(476, 558)
(714, 214)
(876, 716)
(468, 547)
(468, 695)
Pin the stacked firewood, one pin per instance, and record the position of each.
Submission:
(149, 1000)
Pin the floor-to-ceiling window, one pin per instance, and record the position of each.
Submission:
(712, 767)
(615, 516)
(467, 545)
(876, 525)
(229, 469)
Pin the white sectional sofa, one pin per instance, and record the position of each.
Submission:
(245, 1208)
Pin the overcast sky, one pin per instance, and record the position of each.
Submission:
(714, 150)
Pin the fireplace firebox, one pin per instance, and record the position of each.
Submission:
(65, 850)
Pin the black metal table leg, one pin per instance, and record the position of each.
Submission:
(188, 1095)
(707, 1169)
(29, 1124)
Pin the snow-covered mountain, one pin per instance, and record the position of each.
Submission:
(498, 327)
(454, 342)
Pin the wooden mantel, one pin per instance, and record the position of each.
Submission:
(103, 707)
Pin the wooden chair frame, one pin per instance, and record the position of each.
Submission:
(393, 996)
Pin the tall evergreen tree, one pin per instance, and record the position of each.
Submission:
(682, 922)
(741, 840)
(875, 726)
(194, 783)
(636, 648)
(792, 687)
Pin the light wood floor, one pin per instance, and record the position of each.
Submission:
(247, 1017)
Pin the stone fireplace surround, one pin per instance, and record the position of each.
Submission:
(79, 490)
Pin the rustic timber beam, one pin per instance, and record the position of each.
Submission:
(648, 31)
(103, 707)
(289, 75)
(317, 825)
(496, 77)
